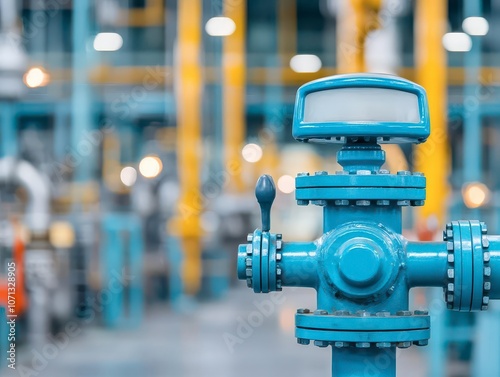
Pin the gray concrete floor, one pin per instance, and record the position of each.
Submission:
(203, 341)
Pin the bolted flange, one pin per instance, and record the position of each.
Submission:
(469, 271)
(362, 329)
(259, 261)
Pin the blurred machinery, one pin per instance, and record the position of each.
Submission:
(13, 250)
(37, 265)
(362, 268)
(12, 69)
(122, 250)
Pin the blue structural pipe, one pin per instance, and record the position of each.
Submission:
(8, 124)
(362, 267)
(472, 160)
(472, 113)
(122, 270)
(299, 265)
(175, 260)
(298, 262)
(380, 362)
(81, 101)
(4, 330)
(427, 264)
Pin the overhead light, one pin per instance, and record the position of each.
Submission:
(150, 166)
(108, 42)
(305, 63)
(286, 184)
(457, 42)
(475, 194)
(128, 176)
(251, 153)
(476, 26)
(36, 77)
(220, 26)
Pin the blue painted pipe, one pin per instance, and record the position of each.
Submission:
(426, 264)
(364, 362)
(4, 330)
(299, 264)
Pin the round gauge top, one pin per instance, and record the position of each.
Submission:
(387, 108)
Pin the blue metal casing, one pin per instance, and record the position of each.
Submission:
(362, 267)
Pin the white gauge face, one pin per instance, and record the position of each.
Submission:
(361, 105)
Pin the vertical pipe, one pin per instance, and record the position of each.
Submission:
(350, 56)
(485, 353)
(471, 116)
(437, 350)
(355, 20)
(287, 48)
(233, 114)
(8, 129)
(494, 157)
(112, 254)
(81, 119)
(484, 365)
(432, 157)
(4, 343)
(61, 133)
(136, 258)
(356, 362)
(189, 92)
(218, 158)
(8, 15)
(8, 114)
(219, 100)
(287, 29)
(273, 115)
(39, 43)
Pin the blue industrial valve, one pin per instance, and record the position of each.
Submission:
(362, 267)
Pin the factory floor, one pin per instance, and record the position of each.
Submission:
(242, 335)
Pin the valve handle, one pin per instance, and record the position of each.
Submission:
(265, 192)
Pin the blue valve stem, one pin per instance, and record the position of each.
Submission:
(373, 361)
(265, 192)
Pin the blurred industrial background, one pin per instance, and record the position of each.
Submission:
(131, 136)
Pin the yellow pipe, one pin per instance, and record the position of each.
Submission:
(233, 92)
(149, 77)
(355, 20)
(432, 158)
(349, 53)
(186, 225)
(111, 166)
(395, 158)
(287, 29)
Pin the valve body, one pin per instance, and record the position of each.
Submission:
(362, 267)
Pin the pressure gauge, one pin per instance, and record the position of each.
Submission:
(375, 106)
